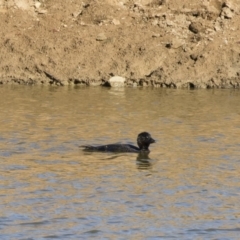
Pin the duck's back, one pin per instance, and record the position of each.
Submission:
(112, 148)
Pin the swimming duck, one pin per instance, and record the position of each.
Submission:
(144, 139)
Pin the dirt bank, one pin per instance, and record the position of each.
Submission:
(161, 43)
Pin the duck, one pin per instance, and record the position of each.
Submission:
(144, 139)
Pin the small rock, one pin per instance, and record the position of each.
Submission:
(41, 11)
(156, 35)
(134, 84)
(155, 22)
(116, 81)
(77, 13)
(176, 43)
(94, 83)
(194, 57)
(229, 4)
(168, 45)
(37, 4)
(227, 13)
(101, 37)
(169, 23)
(217, 26)
(195, 27)
(64, 82)
(115, 22)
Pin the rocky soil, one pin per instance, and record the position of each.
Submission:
(160, 43)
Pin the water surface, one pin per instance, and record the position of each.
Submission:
(186, 188)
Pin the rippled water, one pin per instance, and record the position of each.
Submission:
(187, 188)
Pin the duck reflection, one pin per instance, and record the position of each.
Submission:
(144, 161)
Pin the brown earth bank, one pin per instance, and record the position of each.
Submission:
(160, 43)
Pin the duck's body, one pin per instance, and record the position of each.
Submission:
(112, 148)
(144, 139)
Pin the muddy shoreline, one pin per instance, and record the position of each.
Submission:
(177, 44)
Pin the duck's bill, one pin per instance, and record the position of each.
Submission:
(152, 140)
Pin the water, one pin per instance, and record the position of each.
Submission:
(187, 188)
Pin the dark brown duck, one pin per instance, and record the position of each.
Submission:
(144, 139)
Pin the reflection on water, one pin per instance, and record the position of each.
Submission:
(186, 188)
(144, 161)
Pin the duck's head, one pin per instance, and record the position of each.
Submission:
(144, 139)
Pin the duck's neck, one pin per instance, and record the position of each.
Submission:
(144, 148)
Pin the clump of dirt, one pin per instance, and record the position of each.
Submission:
(160, 43)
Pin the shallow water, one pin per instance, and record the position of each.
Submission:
(187, 188)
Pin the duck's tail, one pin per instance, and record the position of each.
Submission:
(87, 147)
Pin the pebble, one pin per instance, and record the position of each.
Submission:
(115, 22)
(101, 37)
(195, 27)
(116, 81)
